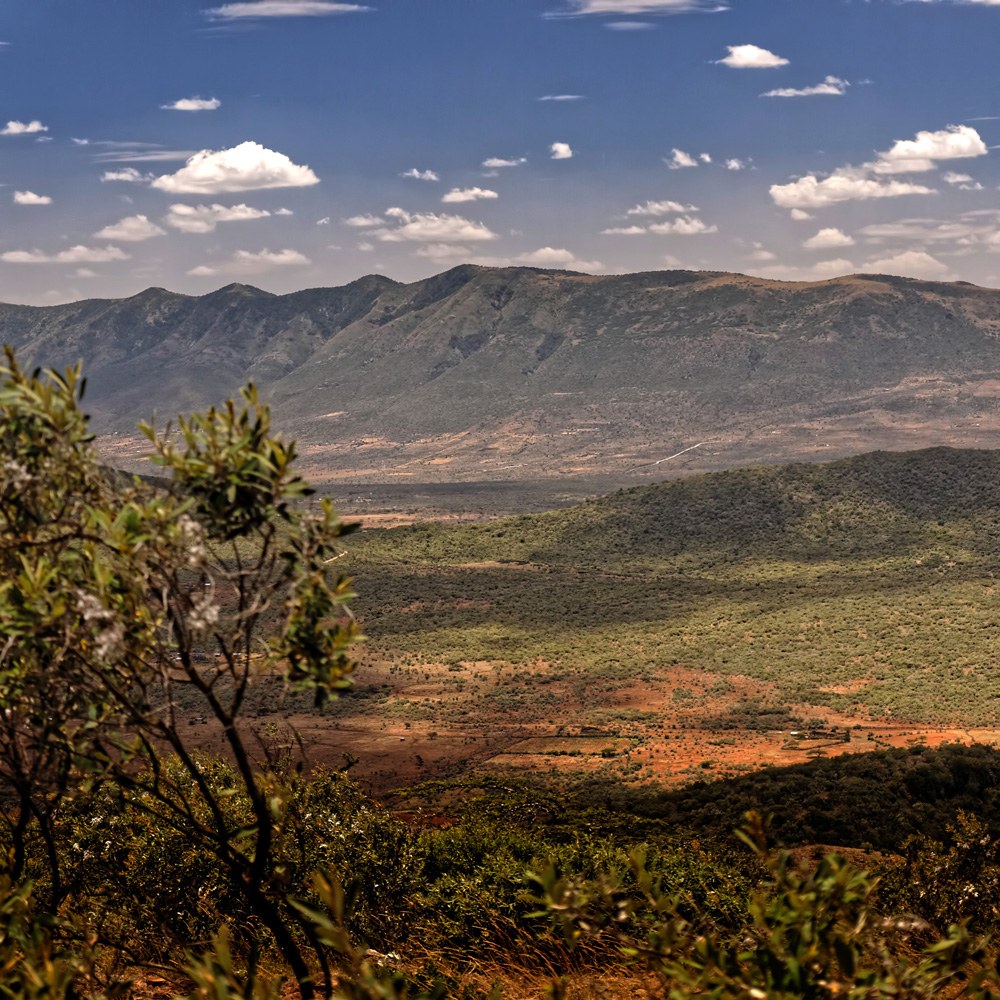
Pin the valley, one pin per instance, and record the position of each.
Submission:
(675, 632)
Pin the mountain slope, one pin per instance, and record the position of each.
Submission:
(480, 371)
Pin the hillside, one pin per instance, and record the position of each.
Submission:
(855, 592)
(491, 373)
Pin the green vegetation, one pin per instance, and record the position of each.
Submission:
(865, 586)
(125, 608)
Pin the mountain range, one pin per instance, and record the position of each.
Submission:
(487, 373)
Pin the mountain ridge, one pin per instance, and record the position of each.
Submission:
(478, 371)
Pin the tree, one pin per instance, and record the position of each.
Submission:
(121, 598)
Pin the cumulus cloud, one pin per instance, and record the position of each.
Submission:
(660, 208)
(132, 229)
(562, 97)
(819, 271)
(845, 184)
(679, 159)
(704, 157)
(560, 151)
(921, 153)
(282, 8)
(30, 198)
(624, 231)
(735, 164)
(684, 226)
(751, 57)
(910, 264)
(867, 181)
(468, 194)
(364, 221)
(826, 239)
(420, 175)
(832, 86)
(193, 104)
(495, 162)
(129, 174)
(962, 181)
(74, 255)
(204, 218)
(543, 257)
(760, 255)
(284, 211)
(799, 216)
(243, 262)
(246, 167)
(22, 128)
(426, 227)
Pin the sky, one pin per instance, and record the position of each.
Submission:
(288, 144)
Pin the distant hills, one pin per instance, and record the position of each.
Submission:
(486, 373)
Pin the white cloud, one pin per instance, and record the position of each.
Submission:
(364, 221)
(495, 162)
(243, 262)
(426, 227)
(193, 104)
(735, 164)
(865, 182)
(684, 226)
(909, 263)
(246, 167)
(136, 155)
(562, 97)
(660, 208)
(442, 251)
(80, 142)
(962, 181)
(762, 256)
(799, 216)
(132, 229)
(420, 175)
(84, 272)
(366, 247)
(282, 8)
(751, 57)
(826, 239)
(560, 151)
(820, 271)
(704, 157)
(831, 86)
(468, 194)
(204, 218)
(624, 231)
(544, 257)
(74, 255)
(578, 7)
(845, 184)
(284, 211)
(129, 174)
(680, 159)
(973, 228)
(30, 198)
(22, 128)
(916, 155)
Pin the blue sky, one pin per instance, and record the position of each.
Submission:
(286, 162)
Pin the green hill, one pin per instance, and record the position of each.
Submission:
(864, 585)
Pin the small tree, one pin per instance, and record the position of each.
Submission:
(120, 599)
